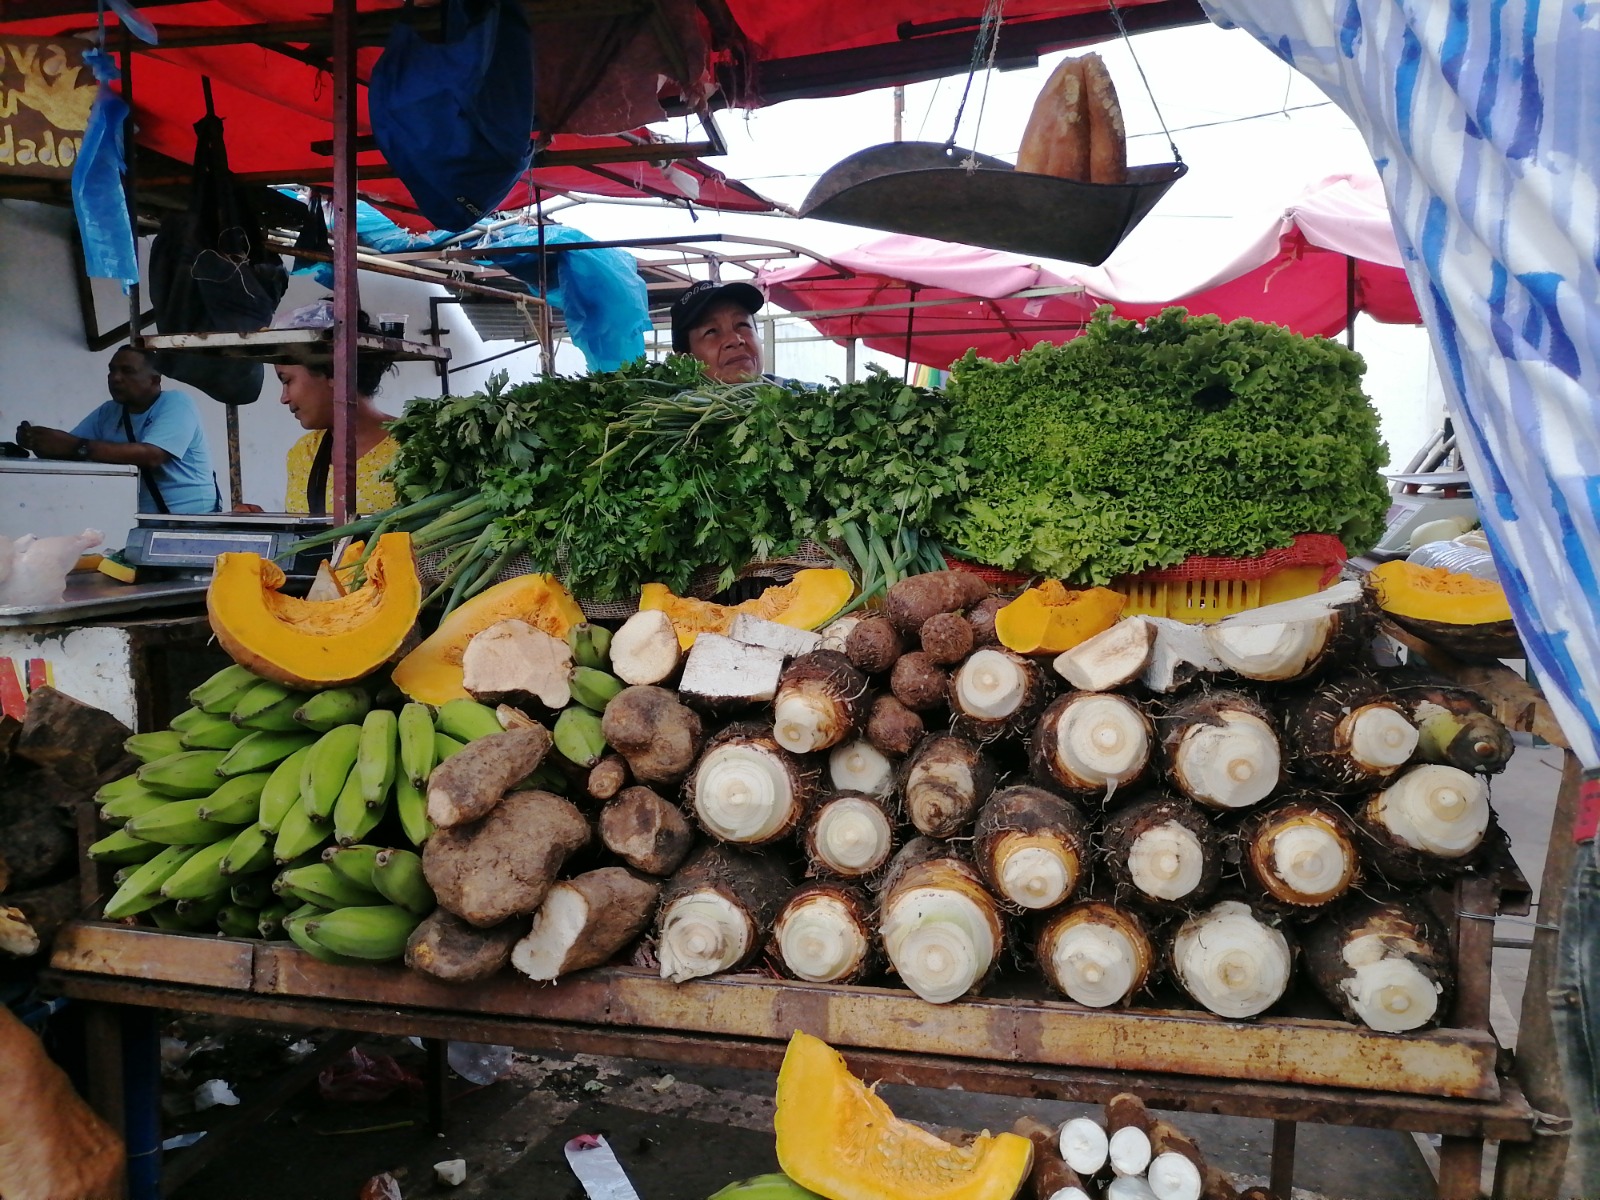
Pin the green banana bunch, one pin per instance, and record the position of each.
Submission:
(578, 737)
(128, 785)
(298, 834)
(355, 863)
(250, 851)
(193, 915)
(282, 791)
(378, 756)
(327, 767)
(258, 700)
(200, 876)
(185, 775)
(188, 719)
(417, 746)
(444, 746)
(397, 875)
(148, 747)
(593, 688)
(776, 1186)
(237, 921)
(375, 933)
(212, 733)
(223, 690)
(353, 817)
(262, 750)
(123, 808)
(141, 890)
(321, 885)
(236, 801)
(269, 920)
(590, 645)
(121, 847)
(334, 707)
(178, 824)
(277, 718)
(252, 892)
(411, 806)
(294, 926)
(467, 720)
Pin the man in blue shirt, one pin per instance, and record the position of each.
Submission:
(144, 426)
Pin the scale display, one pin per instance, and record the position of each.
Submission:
(193, 541)
(172, 547)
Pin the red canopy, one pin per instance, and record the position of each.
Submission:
(931, 301)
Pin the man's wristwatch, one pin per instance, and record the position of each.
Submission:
(81, 450)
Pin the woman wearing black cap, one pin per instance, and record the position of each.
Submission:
(715, 322)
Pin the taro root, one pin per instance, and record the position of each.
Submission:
(1300, 852)
(1091, 743)
(874, 645)
(607, 777)
(746, 788)
(981, 617)
(585, 921)
(1347, 735)
(1031, 846)
(849, 835)
(941, 929)
(1429, 821)
(912, 601)
(996, 693)
(1382, 963)
(893, 728)
(658, 736)
(646, 832)
(1162, 851)
(946, 638)
(859, 766)
(823, 934)
(1292, 639)
(1231, 961)
(717, 910)
(821, 700)
(1111, 659)
(1220, 749)
(1098, 955)
(918, 682)
(1456, 728)
(946, 781)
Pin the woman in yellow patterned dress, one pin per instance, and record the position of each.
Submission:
(308, 391)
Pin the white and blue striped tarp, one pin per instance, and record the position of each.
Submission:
(1483, 117)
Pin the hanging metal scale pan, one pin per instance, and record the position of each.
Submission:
(925, 189)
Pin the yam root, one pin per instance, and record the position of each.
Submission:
(646, 832)
(912, 601)
(468, 784)
(659, 736)
(893, 728)
(946, 782)
(918, 682)
(874, 645)
(512, 660)
(503, 865)
(646, 649)
(449, 949)
(607, 777)
(584, 921)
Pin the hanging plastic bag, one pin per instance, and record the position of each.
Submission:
(97, 196)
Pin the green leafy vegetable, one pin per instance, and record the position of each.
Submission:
(1135, 447)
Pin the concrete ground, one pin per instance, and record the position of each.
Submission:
(683, 1135)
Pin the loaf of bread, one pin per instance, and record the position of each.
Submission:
(1075, 130)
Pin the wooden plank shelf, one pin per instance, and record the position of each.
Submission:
(288, 346)
(1457, 1063)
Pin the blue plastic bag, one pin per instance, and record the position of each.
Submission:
(97, 196)
(374, 231)
(599, 292)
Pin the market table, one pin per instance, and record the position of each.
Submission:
(1288, 1070)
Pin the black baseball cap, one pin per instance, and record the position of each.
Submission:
(686, 309)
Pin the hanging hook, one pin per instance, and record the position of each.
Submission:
(983, 51)
(1116, 16)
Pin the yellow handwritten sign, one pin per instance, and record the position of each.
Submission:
(45, 94)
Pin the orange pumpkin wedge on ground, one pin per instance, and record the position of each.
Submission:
(1049, 618)
(836, 1137)
(314, 643)
(806, 602)
(431, 674)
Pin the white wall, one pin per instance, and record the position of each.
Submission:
(48, 377)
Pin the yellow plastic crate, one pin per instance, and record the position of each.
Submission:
(1196, 600)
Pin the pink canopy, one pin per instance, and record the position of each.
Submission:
(931, 301)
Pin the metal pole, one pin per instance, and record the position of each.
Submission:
(850, 361)
(346, 298)
(130, 179)
(1349, 302)
(899, 113)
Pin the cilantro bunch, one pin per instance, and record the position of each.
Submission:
(1134, 447)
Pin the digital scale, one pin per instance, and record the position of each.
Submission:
(1422, 497)
(190, 542)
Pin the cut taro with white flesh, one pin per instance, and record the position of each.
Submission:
(1231, 962)
(824, 934)
(1221, 750)
(859, 766)
(747, 789)
(940, 928)
(849, 834)
(1091, 743)
(1095, 953)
